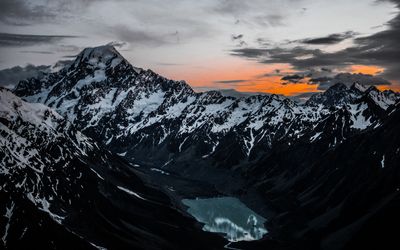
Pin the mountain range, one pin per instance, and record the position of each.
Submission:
(102, 152)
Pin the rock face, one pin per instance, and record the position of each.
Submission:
(327, 170)
(60, 190)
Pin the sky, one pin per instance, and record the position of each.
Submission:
(291, 47)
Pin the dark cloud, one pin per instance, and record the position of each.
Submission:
(324, 82)
(70, 56)
(292, 78)
(287, 76)
(381, 49)
(326, 69)
(230, 81)
(37, 52)
(11, 76)
(330, 39)
(320, 80)
(20, 40)
(118, 44)
(250, 52)
(20, 12)
(236, 37)
(135, 37)
(348, 79)
(27, 12)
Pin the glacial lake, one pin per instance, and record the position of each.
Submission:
(227, 215)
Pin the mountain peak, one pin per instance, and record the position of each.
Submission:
(100, 56)
(106, 51)
(337, 87)
(336, 95)
(372, 89)
(358, 86)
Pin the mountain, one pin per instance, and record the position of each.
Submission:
(324, 173)
(61, 190)
(144, 116)
(339, 94)
(238, 94)
(342, 198)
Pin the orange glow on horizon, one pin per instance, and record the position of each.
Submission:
(251, 76)
(394, 87)
(274, 85)
(375, 70)
(366, 69)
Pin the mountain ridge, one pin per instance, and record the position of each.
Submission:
(120, 105)
(312, 169)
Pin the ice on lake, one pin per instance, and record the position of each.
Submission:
(227, 215)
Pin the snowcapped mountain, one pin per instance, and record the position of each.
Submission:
(144, 116)
(345, 197)
(324, 173)
(339, 95)
(60, 190)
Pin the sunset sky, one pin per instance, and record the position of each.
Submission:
(287, 47)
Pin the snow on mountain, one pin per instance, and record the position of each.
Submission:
(138, 112)
(59, 189)
(384, 99)
(56, 180)
(35, 140)
(337, 95)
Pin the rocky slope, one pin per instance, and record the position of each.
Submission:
(60, 190)
(344, 197)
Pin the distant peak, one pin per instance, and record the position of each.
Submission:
(240, 94)
(372, 89)
(359, 86)
(338, 87)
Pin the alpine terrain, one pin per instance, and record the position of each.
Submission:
(100, 154)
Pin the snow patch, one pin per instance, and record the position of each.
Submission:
(314, 137)
(8, 215)
(357, 117)
(159, 170)
(131, 193)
